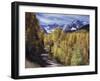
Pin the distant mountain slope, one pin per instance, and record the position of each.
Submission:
(73, 26)
(67, 22)
(86, 27)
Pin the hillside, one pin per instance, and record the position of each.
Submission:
(34, 39)
(70, 48)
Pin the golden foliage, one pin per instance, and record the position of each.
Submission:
(69, 48)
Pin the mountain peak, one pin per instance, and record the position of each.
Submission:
(73, 26)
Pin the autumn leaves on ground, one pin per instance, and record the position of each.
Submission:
(67, 48)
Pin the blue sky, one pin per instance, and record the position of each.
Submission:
(46, 18)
